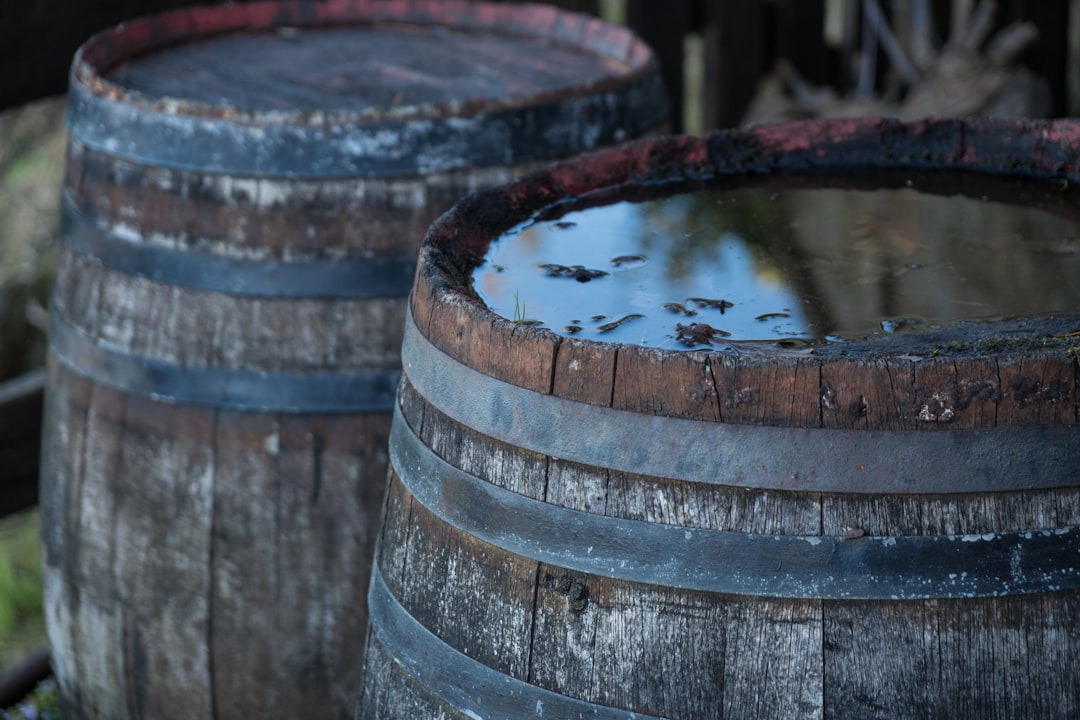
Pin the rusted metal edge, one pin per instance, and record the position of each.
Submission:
(746, 456)
(790, 566)
(354, 279)
(232, 389)
(465, 684)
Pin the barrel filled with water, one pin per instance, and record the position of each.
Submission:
(775, 423)
(246, 189)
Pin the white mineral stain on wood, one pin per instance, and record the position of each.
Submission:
(61, 627)
(101, 655)
(272, 443)
(162, 546)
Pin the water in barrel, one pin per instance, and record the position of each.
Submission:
(802, 262)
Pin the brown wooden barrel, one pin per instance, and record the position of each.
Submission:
(881, 528)
(246, 189)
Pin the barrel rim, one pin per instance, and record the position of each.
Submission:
(419, 139)
(107, 48)
(1034, 150)
(698, 452)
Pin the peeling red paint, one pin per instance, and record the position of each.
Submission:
(696, 152)
(783, 138)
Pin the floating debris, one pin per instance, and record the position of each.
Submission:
(608, 327)
(796, 344)
(678, 309)
(598, 318)
(498, 268)
(585, 275)
(782, 309)
(698, 334)
(719, 304)
(625, 262)
(899, 324)
(577, 272)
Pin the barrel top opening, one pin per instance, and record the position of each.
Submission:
(939, 370)
(361, 88)
(301, 63)
(369, 69)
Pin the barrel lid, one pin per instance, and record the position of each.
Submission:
(293, 88)
(1008, 372)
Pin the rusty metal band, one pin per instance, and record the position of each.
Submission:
(467, 685)
(351, 279)
(232, 389)
(778, 458)
(791, 566)
(543, 131)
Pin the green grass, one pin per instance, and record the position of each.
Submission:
(519, 309)
(43, 704)
(22, 625)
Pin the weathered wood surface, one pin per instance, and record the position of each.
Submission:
(662, 648)
(194, 554)
(684, 654)
(217, 419)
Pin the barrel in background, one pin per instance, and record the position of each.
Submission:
(246, 189)
(886, 528)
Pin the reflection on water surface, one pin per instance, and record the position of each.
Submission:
(761, 263)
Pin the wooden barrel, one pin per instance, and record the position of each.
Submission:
(246, 189)
(881, 528)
